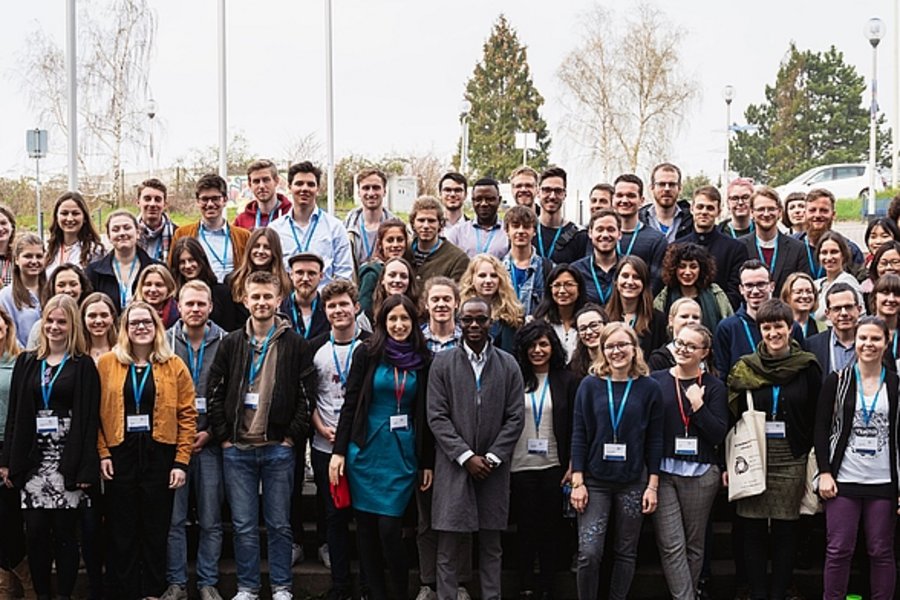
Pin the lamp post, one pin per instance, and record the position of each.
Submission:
(874, 32)
(728, 95)
(151, 112)
(465, 107)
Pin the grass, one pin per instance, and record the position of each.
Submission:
(851, 209)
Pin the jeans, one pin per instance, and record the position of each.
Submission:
(243, 470)
(336, 523)
(205, 478)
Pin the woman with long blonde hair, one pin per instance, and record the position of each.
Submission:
(487, 278)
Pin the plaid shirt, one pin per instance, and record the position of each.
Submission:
(435, 345)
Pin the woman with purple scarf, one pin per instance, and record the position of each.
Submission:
(383, 442)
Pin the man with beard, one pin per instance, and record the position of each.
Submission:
(484, 235)
(452, 188)
(303, 307)
(739, 192)
(599, 269)
(524, 182)
(738, 334)
(557, 239)
(667, 214)
(819, 219)
(637, 238)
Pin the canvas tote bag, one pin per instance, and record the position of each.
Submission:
(745, 454)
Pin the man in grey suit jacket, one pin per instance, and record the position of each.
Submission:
(476, 412)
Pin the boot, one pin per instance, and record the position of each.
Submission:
(23, 574)
(7, 592)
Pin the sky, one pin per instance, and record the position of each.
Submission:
(400, 69)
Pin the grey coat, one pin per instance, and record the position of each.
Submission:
(460, 423)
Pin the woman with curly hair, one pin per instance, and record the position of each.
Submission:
(689, 271)
(486, 278)
(73, 237)
(559, 308)
(632, 304)
(396, 277)
(391, 241)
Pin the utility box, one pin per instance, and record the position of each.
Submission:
(402, 191)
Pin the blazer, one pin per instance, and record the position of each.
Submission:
(791, 258)
(563, 387)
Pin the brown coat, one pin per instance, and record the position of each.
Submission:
(239, 238)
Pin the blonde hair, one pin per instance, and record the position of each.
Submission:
(601, 367)
(505, 305)
(75, 344)
(10, 346)
(161, 351)
(789, 284)
(166, 276)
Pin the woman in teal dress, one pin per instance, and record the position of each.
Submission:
(382, 441)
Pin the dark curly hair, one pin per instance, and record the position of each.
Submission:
(525, 338)
(683, 252)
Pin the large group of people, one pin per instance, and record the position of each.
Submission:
(477, 372)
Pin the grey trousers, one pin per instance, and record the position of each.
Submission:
(490, 553)
(427, 541)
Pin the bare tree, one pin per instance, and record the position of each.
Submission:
(302, 147)
(626, 93)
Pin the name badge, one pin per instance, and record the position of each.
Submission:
(137, 423)
(615, 452)
(775, 430)
(251, 400)
(867, 442)
(47, 424)
(686, 446)
(538, 446)
(200, 403)
(399, 422)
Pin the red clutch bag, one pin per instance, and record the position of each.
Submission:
(340, 493)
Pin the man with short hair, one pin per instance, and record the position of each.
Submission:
(476, 413)
(781, 253)
(195, 339)
(303, 306)
(524, 182)
(835, 347)
(309, 229)
(362, 222)
(667, 214)
(599, 269)
(601, 197)
(739, 223)
(433, 255)
(819, 219)
(155, 228)
(557, 239)
(224, 245)
(441, 301)
(526, 269)
(268, 203)
(453, 188)
(261, 386)
(738, 334)
(484, 235)
(638, 239)
(728, 253)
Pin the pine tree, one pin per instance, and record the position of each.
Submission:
(504, 101)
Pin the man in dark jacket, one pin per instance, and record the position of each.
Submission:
(667, 214)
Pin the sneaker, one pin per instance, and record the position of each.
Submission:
(282, 594)
(246, 595)
(324, 556)
(175, 592)
(208, 592)
(426, 593)
(296, 554)
(462, 593)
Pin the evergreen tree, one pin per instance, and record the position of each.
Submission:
(504, 101)
(813, 115)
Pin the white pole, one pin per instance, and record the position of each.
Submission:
(329, 103)
(464, 160)
(37, 193)
(872, 130)
(727, 144)
(223, 99)
(895, 149)
(72, 89)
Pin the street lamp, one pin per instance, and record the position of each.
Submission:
(874, 31)
(151, 112)
(728, 95)
(465, 107)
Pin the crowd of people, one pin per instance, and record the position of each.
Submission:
(470, 372)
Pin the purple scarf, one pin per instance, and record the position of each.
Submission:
(402, 355)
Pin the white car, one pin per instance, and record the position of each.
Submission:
(848, 180)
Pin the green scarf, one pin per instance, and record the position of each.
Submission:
(761, 369)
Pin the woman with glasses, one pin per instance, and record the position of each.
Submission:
(147, 427)
(695, 405)
(632, 303)
(856, 452)
(589, 323)
(689, 271)
(799, 292)
(188, 261)
(682, 312)
(487, 278)
(617, 444)
(784, 382)
(833, 254)
(559, 307)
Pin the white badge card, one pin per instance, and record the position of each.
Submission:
(775, 430)
(538, 446)
(867, 443)
(399, 422)
(686, 446)
(47, 424)
(200, 403)
(137, 422)
(251, 400)
(614, 452)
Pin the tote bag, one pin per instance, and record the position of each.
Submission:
(745, 454)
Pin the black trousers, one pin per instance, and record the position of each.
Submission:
(51, 534)
(536, 502)
(756, 546)
(380, 541)
(12, 539)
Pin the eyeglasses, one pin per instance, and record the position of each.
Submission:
(742, 199)
(680, 345)
(847, 308)
(564, 285)
(140, 324)
(667, 184)
(618, 347)
(480, 319)
(553, 191)
(758, 285)
(208, 199)
(594, 326)
(892, 262)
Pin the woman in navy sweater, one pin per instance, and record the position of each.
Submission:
(617, 445)
(695, 408)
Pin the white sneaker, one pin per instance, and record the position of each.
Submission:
(296, 554)
(325, 556)
(282, 594)
(245, 595)
(426, 593)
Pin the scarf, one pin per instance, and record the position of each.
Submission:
(164, 234)
(709, 310)
(402, 355)
(761, 369)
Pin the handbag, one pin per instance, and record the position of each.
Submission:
(745, 454)
(340, 493)
(811, 504)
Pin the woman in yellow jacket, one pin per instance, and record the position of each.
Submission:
(147, 428)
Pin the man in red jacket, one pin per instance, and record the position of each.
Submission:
(268, 204)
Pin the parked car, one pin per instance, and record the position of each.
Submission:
(847, 180)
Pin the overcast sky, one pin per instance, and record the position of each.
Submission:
(401, 68)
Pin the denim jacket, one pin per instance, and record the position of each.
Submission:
(531, 292)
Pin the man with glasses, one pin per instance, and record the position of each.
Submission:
(224, 245)
(484, 235)
(599, 269)
(524, 184)
(268, 203)
(738, 334)
(667, 214)
(781, 253)
(452, 188)
(834, 347)
(557, 239)
(637, 239)
(739, 224)
(819, 219)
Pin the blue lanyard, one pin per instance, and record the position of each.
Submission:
(817, 270)
(47, 386)
(760, 253)
(314, 223)
(271, 215)
(748, 334)
(224, 259)
(537, 411)
(776, 395)
(138, 390)
(597, 285)
(415, 247)
(540, 238)
(631, 243)
(616, 417)
(196, 365)
(365, 238)
(159, 248)
(867, 411)
(123, 287)
(478, 248)
(342, 374)
(734, 233)
(299, 326)
(256, 365)
(896, 335)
